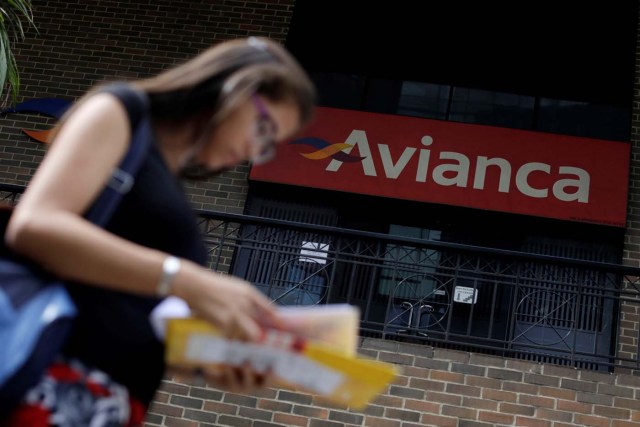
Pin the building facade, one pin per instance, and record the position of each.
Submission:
(500, 309)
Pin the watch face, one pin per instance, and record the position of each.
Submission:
(171, 265)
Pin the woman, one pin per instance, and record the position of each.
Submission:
(230, 104)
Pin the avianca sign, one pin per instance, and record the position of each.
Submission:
(531, 173)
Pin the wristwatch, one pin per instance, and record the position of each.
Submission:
(170, 267)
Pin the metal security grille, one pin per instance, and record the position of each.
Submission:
(435, 292)
(289, 267)
(561, 308)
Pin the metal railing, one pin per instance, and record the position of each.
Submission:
(529, 306)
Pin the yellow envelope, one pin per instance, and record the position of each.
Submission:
(308, 365)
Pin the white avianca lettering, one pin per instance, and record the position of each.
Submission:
(571, 183)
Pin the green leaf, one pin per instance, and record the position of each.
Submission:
(3, 61)
(23, 8)
(13, 77)
(15, 17)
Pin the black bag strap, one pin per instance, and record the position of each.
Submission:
(136, 103)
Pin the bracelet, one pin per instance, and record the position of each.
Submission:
(170, 267)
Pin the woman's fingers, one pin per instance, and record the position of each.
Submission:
(246, 321)
(266, 313)
(231, 304)
(238, 379)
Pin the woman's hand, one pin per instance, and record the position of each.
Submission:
(237, 379)
(231, 304)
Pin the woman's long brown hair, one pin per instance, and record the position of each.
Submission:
(216, 81)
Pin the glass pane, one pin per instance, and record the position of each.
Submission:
(406, 260)
(383, 96)
(583, 119)
(492, 108)
(424, 100)
(339, 90)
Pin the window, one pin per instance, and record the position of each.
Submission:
(583, 119)
(469, 105)
(492, 108)
(424, 100)
(382, 95)
(410, 257)
(339, 90)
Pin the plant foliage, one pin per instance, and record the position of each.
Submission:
(15, 17)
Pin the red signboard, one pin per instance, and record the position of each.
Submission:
(524, 172)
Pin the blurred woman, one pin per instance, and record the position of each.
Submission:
(230, 104)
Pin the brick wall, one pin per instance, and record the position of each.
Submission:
(82, 42)
(629, 315)
(436, 388)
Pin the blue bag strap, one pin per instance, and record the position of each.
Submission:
(123, 177)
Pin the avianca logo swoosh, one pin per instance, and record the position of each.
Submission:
(325, 149)
(52, 107)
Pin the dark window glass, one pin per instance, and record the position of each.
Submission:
(424, 100)
(492, 108)
(583, 119)
(339, 90)
(467, 105)
(383, 95)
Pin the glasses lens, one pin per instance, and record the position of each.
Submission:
(265, 133)
(264, 139)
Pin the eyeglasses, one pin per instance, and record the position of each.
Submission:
(264, 138)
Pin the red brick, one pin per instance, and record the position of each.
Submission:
(290, 420)
(435, 420)
(537, 401)
(175, 422)
(495, 417)
(532, 422)
(381, 422)
(570, 406)
(220, 408)
(500, 396)
(449, 377)
(162, 409)
(422, 406)
(589, 420)
(558, 393)
(620, 423)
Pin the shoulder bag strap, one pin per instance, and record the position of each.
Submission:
(136, 104)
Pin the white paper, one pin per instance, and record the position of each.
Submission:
(285, 364)
(170, 307)
(465, 295)
(314, 252)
